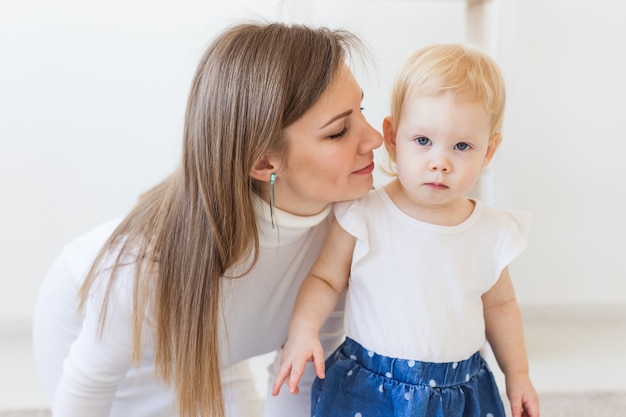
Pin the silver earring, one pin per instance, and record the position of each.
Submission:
(272, 182)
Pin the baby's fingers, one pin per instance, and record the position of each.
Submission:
(520, 407)
(516, 407)
(294, 378)
(318, 363)
(531, 408)
(282, 374)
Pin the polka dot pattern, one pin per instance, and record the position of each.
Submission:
(393, 386)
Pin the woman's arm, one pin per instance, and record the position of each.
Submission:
(503, 325)
(317, 297)
(97, 362)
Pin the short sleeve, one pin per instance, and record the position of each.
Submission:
(514, 235)
(351, 217)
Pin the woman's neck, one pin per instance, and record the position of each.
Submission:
(295, 207)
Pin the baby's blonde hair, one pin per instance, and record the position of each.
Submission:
(465, 71)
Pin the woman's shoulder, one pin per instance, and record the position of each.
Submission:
(78, 255)
(93, 239)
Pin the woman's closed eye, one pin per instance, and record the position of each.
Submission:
(339, 134)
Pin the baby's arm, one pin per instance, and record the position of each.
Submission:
(506, 336)
(318, 295)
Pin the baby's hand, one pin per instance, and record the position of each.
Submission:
(522, 396)
(296, 353)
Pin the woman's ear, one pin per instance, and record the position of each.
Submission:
(494, 143)
(389, 137)
(262, 169)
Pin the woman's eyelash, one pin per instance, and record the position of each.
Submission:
(340, 134)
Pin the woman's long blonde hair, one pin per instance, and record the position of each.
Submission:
(254, 80)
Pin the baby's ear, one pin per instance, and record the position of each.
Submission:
(494, 143)
(389, 136)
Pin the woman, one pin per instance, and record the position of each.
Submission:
(202, 274)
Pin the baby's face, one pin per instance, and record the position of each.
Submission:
(441, 145)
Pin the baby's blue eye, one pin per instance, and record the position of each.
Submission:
(422, 140)
(462, 146)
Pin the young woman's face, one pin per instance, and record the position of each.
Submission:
(330, 151)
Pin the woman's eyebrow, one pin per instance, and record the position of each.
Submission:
(339, 116)
(344, 114)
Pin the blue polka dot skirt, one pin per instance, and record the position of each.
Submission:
(361, 383)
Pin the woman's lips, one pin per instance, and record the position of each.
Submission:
(365, 171)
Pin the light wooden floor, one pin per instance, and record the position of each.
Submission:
(582, 350)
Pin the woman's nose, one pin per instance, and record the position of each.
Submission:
(371, 138)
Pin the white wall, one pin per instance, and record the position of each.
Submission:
(565, 143)
(92, 99)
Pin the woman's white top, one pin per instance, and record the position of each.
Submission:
(84, 374)
(415, 288)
